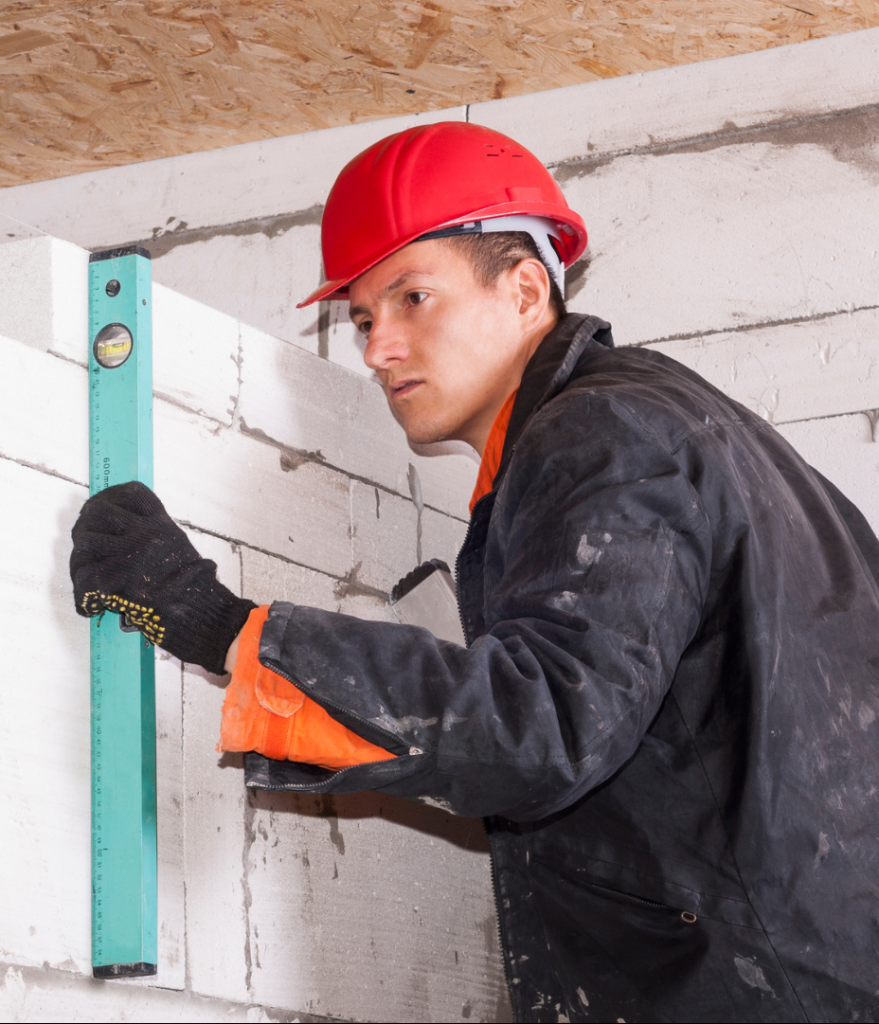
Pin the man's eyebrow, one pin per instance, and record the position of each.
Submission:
(392, 287)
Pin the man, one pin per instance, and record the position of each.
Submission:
(667, 709)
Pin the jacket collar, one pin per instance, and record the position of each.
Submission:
(549, 370)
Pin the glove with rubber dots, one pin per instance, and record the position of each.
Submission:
(130, 557)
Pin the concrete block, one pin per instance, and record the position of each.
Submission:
(717, 238)
(170, 831)
(195, 354)
(39, 995)
(45, 294)
(215, 818)
(171, 774)
(446, 474)
(256, 273)
(312, 405)
(236, 183)
(267, 579)
(12, 230)
(441, 536)
(43, 410)
(845, 450)
(226, 483)
(384, 537)
(215, 823)
(44, 728)
(792, 371)
(654, 107)
(365, 606)
(372, 908)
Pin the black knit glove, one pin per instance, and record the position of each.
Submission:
(130, 557)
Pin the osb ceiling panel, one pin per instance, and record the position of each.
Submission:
(92, 84)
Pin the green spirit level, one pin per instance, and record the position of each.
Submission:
(123, 698)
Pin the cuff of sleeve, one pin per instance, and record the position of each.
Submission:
(265, 712)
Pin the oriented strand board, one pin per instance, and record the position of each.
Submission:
(87, 84)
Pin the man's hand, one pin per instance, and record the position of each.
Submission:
(130, 557)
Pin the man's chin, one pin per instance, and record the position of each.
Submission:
(420, 437)
(424, 433)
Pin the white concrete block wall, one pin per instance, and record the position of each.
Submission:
(734, 223)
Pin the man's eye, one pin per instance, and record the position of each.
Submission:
(364, 327)
(416, 298)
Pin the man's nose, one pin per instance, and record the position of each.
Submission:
(386, 344)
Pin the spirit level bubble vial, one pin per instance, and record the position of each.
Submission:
(123, 701)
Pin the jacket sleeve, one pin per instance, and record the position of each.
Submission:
(596, 565)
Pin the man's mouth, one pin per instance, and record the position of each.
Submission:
(403, 388)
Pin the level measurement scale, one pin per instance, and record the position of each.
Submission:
(123, 700)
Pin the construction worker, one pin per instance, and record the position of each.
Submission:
(668, 706)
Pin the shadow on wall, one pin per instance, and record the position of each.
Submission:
(575, 276)
(466, 833)
(75, 630)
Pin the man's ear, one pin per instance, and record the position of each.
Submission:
(533, 288)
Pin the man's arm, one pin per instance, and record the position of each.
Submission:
(595, 569)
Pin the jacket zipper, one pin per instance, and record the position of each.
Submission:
(464, 630)
(491, 861)
(500, 930)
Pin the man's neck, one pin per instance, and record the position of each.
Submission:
(479, 431)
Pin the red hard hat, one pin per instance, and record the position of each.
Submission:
(430, 177)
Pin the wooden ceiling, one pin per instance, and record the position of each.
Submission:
(90, 83)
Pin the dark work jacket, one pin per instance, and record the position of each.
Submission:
(668, 709)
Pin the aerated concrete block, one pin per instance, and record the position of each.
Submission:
(372, 908)
(44, 996)
(446, 474)
(226, 483)
(45, 915)
(267, 579)
(312, 405)
(45, 294)
(792, 371)
(441, 536)
(721, 235)
(215, 822)
(195, 354)
(43, 411)
(345, 345)
(170, 798)
(384, 537)
(255, 273)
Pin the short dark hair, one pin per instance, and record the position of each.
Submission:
(496, 252)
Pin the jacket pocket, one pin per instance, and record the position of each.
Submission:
(657, 887)
(629, 899)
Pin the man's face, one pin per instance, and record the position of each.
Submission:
(448, 350)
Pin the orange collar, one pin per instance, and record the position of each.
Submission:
(494, 448)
